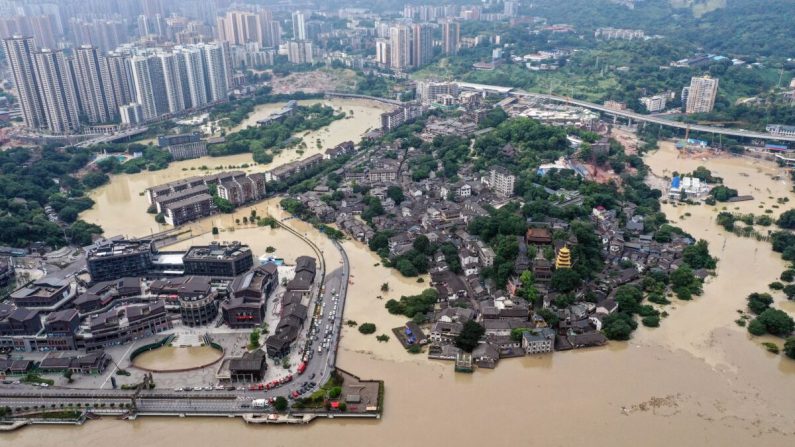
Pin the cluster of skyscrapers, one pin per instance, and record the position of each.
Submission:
(408, 46)
(60, 94)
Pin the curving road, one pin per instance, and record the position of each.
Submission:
(318, 369)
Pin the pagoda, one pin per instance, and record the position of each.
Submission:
(563, 261)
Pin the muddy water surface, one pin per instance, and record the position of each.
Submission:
(172, 358)
(698, 380)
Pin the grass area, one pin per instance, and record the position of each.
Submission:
(63, 414)
(563, 82)
(35, 378)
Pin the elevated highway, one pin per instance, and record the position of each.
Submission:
(639, 117)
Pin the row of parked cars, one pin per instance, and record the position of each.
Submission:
(206, 388)
(272, 384)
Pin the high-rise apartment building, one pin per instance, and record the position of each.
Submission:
(299, 26)
(215, 68)
(119, 80)
(400, 47)
(144, 86)
(19, 52)
(273, 33)
(57, 90)
(131, 114)
(510, 8)
(106, 35)
(300, 52)
(451, 37)
(195, 76)
(421, 44)
(94, 93)
(43, 28)
(701, 94)
(242, 27)
(383, 52)
(172, 81)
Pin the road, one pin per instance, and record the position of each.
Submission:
(333, 290)
(742, 133)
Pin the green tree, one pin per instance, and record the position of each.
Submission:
(628, 298)
(697, 256)
(367, 328)
(223, 205)
(723, 193)
(787, 219)
(550, 317)
(280, 404)
(756, 327)
(422, 244)
(516, 333)
(253, 339)
(395, 193)
(618, 326)
(335, 392)
(684, 283)
(759, 302)
(95, 179)
(777, 322)
(470, 336)
(651, 321)
(789, 347)
(565, 280)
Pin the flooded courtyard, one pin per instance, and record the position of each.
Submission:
(177, 358)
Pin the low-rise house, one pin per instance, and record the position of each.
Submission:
(93, 363)
(485, 355)
(538, 341)
(442, 331)
(61, 328)
(249, 367)
(443, 351)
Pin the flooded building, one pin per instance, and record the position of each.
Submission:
(218, 260)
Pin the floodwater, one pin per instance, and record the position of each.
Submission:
(698, 380)
(172, 358)
(121, 205)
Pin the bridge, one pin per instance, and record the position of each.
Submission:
(110, 138)
(639, 117)
(392, 102)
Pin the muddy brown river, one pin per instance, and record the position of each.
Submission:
(698, 380)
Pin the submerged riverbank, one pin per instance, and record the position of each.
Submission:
(699, 379)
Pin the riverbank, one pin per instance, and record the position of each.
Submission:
(705, 326)
(697, 380)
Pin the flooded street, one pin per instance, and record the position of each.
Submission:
(698, 380)
(171, 358)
